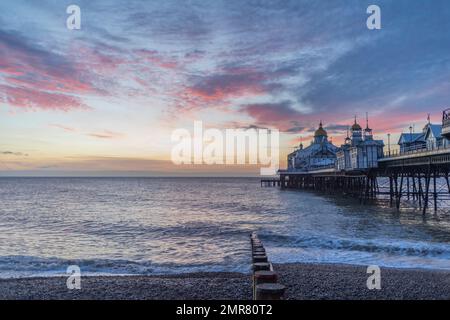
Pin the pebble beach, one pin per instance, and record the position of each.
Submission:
(303, 282)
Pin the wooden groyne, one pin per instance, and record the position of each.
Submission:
(265, 279)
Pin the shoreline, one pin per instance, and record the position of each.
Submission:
(304, 281)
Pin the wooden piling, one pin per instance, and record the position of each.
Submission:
(260, 277)
(259, 258)
(270, 291)
(261, 266)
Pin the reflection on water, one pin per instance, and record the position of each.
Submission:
(162, 225)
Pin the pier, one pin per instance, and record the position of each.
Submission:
(421, 179)
(270, 182)
(416, 176)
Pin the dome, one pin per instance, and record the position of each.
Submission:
(356, 126)
(321, 131)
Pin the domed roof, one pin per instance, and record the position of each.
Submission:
(321, 131)
(356, 126)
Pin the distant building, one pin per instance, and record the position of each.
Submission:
(319, 154)
(430, 138)
(360, 151)
(411, 142)
(343, 158)
(433, 137)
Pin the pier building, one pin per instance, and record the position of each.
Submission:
(432, 137)
(321, 153)
(360, 151)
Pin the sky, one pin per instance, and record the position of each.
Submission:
(105, 99)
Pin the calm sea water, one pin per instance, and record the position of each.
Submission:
(170, 225)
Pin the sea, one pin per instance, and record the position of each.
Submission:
(149, 226)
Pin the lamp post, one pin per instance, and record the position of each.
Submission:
(410, 138)
(389, 144)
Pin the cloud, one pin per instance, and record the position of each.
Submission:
(63, 127)
(38, 78)
(102, 134)
(11, 153)
(171, 20)
(296, 129)
(221, 86)
(66, 75)
(155, 58)
(271, 112)
(106, 134)
(31, 99)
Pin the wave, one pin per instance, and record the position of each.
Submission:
(30, 266)
(388, 246)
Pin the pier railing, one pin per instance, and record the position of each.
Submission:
(313, 169)
(416, 152)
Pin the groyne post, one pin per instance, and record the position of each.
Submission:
(270, 291)
(264, 278)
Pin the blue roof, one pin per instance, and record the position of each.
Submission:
(436, 129)
(411, 137)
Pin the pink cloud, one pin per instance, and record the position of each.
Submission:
(155, 58)
(106, 134)
(232, 84)
(65, 128)
(63, 85)
(33, 99)
(34, 76)
(271, 112)
(93, 61)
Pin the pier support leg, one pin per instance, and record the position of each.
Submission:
(391, 190)
(427, 189)
(407, 187)
(435, 195)
(448, 182)
(399, 193)
(420, 195)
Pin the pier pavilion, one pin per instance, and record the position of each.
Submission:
(360, 151)
(319, 154)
